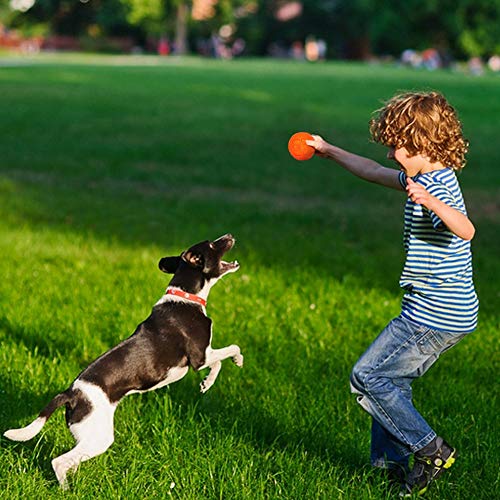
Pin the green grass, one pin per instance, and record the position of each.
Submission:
(108, 164)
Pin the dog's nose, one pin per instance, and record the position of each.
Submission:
(227, 236)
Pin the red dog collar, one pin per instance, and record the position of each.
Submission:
(185, 295)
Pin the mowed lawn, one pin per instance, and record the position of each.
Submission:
(108, 164)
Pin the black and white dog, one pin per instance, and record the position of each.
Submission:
(177, 335)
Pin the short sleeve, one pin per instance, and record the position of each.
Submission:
(402, 179)
(442, 193)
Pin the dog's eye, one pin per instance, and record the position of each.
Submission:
(211, 245)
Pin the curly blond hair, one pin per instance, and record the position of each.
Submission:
(424, 123)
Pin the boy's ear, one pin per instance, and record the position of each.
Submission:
(193, 259)
(169, 264)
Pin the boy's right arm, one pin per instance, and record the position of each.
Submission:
(360, 166)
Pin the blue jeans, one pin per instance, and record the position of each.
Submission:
(382, 379)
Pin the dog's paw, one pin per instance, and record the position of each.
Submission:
(238, 360)
(61, 469)
(204, 386)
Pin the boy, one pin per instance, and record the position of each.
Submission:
(440, 305)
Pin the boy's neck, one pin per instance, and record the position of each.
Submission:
(428, 166)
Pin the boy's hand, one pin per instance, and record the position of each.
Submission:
(418, 194)
(320, 145)
(455, 221)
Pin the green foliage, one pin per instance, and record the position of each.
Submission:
(464, 28)
(479, 33)
(148, 14)
(352, 28)
(109, 163)
(68, 17)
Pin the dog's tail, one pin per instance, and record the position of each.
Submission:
(31, 430)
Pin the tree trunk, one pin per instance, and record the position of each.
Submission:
(181, 45)
(359, 48)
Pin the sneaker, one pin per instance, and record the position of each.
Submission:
(393, 472)
(397, 473)
(430, 462)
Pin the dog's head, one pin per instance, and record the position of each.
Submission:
(200, 265)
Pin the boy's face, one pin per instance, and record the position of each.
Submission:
(410, 165)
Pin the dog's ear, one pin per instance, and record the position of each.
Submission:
(169, 264)
(194, 259)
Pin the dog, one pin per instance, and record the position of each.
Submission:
(177, 335)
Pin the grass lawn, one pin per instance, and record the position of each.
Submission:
(108, 164)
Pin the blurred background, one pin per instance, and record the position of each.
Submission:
(462, 34)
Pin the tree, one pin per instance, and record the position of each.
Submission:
(67, 17)
(353, 28)
(173, 17)
(459, 27)
(477, 26)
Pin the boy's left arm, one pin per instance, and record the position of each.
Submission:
(457, 222)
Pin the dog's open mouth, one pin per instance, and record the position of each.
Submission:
(229, 267)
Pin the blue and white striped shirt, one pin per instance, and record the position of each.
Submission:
(437, 276)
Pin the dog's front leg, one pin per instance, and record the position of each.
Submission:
(213, 355)
(213, 358)
(209, 380)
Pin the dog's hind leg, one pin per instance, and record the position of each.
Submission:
(69, 462)
(91, 423)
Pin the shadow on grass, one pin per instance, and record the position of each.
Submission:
(244, 419)
(38, 341)
(275, 231)
(335, 237)
(18, 408)
(255, 428)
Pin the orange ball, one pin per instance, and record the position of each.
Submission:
(298, 148)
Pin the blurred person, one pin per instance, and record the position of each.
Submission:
(322, 48)
(238, 47)
(163, 46)
(431, 59)
(311, 49)
(297, 50)
(410, 57)
(475, 66)
(494, 63)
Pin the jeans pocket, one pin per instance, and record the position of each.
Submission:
(436, 342)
